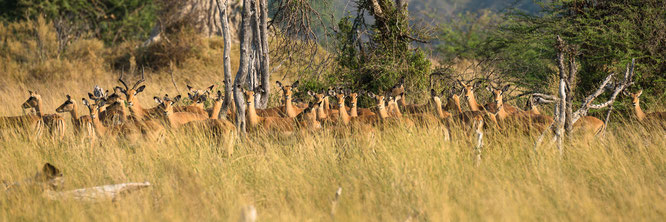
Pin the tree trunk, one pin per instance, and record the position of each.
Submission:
(256, 53)
(226, 105)
(264, 70)
(561, 108)
(244, 65)
(570, 90)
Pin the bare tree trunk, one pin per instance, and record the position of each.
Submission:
(264, 55)
(571, 85)
(561, 108)
(256, 52)
(226, 60)
(244, 65)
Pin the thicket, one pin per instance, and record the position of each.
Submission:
(608, 35)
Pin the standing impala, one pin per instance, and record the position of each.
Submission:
(137, 111)
(54, 122)
(498, 105)
(642, 116)
(285, 124)
(355, 111)
(176, 119)
(288, 91)
(81, 124)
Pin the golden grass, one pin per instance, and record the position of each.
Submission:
(391, 174)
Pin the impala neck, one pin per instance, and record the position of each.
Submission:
(639, 112)
(502, 112)
(288, 107)
(217, 106)
(99, 127)
(437, 102)
(402, 101)
(74, 112)
(321, 112)
(38, 108)
(343, 112)
(354, 109)
(136, 110)
(252, 116)
(473, 105)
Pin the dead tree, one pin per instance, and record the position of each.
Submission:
(244, 65)
(224, 18)
(564, 116)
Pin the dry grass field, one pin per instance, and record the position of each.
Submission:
(396, 173)
(393, 174)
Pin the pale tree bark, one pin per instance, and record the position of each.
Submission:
(226, 60)
(244, 65)
(560, 108)
(265, 57)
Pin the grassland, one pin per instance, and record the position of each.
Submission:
(392, 174)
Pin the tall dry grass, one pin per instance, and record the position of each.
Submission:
(386, 175)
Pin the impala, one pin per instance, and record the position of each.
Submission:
(355, 111)
(172, 118)
(308, 118)
(102, 131)
(437, 105)
(642, 116)
(288, 91)
(54, 122)
(504, 110)
(320, 112)
(80, 124)
(269, 123)
(198, 97)
(468, 91)
(136, 110)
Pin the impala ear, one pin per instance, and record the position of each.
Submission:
(189, 88)
(69, 97)
(157, 100)
(370, 94)
(140, 89)
(461, 83)
(639, 93)
(295, 84)
(433, 93)
(506, 88)
(279, 84)
(85, 102)
(219, 94)
(175, 99)
(49, 172)
(476, 84)
(210, 88)
(90, 95)
(310, 93)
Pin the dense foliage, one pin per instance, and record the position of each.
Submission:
(607, 33)
(112, 21)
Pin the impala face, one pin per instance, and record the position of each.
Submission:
(199, 96)
(353, 99)
(67, 106)
(498, 93)
(33, 100)
(166, 104)
(635, 97)
(468, 89)
(288, 90)
(94, 107)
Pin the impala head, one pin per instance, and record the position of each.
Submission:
(166, 104)
(379, 99)
(130, 93)
(93, 107)
(249, 95)
(497, 93)
(468, 88)
(635, 97)
(219, 97)
(319, 97)
(288, 90)
(353, 99)
(67, 106)
(398, 88)
(49, 176)
(33, 100)
(436, 98)
(199, 96)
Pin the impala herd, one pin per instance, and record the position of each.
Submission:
(120, 114)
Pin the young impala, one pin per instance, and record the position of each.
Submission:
(54, 122)
(285, 124)
(642, 116)
(82, 124)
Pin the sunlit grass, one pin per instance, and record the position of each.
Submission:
(391, 174)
